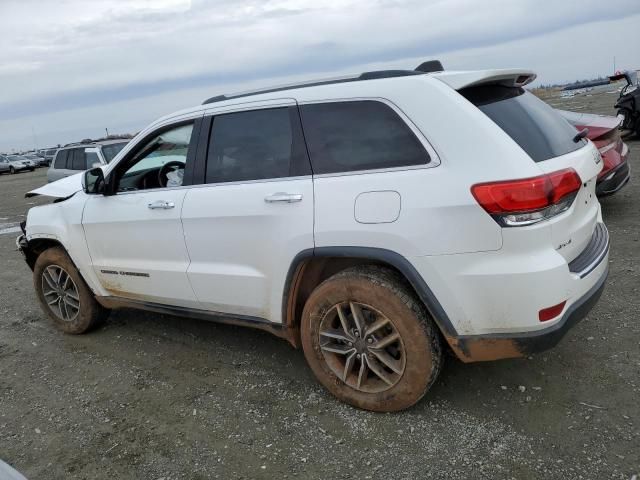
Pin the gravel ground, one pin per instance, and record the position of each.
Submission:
(156, 397)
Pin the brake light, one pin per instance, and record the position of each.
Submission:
(552, 312)
(529, 200)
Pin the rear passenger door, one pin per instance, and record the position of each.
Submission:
(369, 164)
(254, 212)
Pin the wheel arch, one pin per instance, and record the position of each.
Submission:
(312, 266)
(36, 246)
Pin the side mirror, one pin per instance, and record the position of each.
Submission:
(93, 181)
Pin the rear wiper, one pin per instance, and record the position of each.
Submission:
(581, 134)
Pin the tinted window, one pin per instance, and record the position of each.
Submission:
(255, 145)
(360, 135)
(78, 162)
(61, 159)
(531, 123)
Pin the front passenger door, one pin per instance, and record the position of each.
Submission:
(134, 234)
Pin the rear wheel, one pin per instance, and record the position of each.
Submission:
(63, 294)
(369, 341)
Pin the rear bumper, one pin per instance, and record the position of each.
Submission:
(614, 180)
(478, 348)
(490, 302)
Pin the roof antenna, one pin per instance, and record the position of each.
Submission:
(430, 66)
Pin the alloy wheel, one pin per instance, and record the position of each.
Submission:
(362, 347)
(60, 293)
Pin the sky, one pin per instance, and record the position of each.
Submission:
(71, 68)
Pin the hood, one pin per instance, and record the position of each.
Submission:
(63, 188)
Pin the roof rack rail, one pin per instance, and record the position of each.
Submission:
(373, 75)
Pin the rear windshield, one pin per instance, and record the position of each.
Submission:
(535, 126)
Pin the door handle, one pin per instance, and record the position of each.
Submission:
(282, 197)
(161, 205)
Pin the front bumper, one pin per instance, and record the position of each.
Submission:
(22, 245)
(614, 180)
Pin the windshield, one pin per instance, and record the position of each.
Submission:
(15, 158)
(536, 127)
(110, 151)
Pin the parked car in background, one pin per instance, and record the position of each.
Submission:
(17, 163)
(373, 220)
(38, 160)
(4, 164)
(604, 132)
(49, 154)
(75, 158)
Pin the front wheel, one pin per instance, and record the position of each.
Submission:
(12, 170)
(63, 294)
(369, 341)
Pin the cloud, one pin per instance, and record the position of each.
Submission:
(74, 55)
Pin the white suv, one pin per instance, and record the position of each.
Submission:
(374, 220)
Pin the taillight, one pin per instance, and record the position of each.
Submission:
(609, 160)
(529, 200)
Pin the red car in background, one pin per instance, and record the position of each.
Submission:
(604, 132)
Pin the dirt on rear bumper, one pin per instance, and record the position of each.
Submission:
(481, 348)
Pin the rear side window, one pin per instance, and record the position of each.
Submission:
(359, 135)
(61, 159)
(539, 130)
(256, 145)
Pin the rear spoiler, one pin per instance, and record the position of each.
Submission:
(505, 77)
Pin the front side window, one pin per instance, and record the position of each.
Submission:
(158, 163)
(255, 145)
(110, 151)
(359, 135)
(91, 160)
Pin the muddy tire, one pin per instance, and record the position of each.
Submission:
(63, 294)
(369, 341)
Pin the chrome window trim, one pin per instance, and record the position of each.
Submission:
(219, 184)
